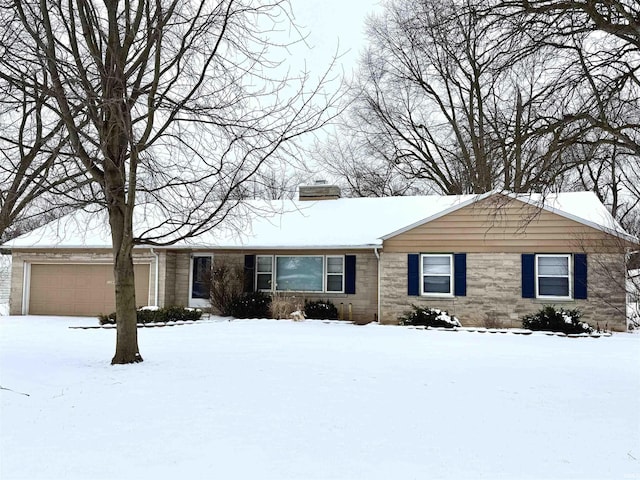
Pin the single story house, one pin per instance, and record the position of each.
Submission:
(484, 258)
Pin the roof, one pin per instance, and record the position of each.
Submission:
(326, 224)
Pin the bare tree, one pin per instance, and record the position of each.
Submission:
(351, 160)
(445, 101)
(33, 177)
(596, 44)
(175, 104)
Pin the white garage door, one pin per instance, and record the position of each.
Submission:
(86, 290)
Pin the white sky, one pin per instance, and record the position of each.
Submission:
(334, 24)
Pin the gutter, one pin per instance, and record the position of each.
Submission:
(377, 254)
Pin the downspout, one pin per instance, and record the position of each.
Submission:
(157, 277)
(377, 254)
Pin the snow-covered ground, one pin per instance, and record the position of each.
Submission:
(266, 399)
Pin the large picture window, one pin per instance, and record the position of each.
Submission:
(553, 276)
(437, 274)
(300, 273)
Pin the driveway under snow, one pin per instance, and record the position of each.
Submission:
(264, 399)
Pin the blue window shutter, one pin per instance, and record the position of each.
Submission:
(580, 276)
(528, 275)
(249, 273)
(460, 274)
(413, 274)
(350, 274)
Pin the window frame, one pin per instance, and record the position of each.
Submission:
(258, 272)
(325, 273)
(451, 275)
(342, 274)
(569, 276)
(275, 274)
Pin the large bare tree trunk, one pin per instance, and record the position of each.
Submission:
(127, 350)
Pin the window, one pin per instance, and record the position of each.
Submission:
(299, 274)
(264, 272)
(437, 274)
(335, 274)
(553, 274)
(303, 273)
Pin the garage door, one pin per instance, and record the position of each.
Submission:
(85, 290)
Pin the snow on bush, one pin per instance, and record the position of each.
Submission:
(151, 314)
(251, 305)
(551, 319)
(428, 317)
(320, 310)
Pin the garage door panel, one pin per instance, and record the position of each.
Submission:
(82, 290)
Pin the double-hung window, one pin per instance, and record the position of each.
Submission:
(300, 273)
(264, 272)
(553, 276)
(437, 274)
(335, 273)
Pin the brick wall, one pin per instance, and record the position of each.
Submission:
(494, 291)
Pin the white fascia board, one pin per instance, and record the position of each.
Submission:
(202, 247)
(270, 247)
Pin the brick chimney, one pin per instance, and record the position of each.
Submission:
(320, 190)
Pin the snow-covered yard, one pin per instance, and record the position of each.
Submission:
(261, 399)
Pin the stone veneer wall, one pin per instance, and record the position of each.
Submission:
(494, 291)
(363, 303)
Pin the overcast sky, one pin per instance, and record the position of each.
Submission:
(334, 24)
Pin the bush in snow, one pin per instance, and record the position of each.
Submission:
(320, 309)
(428, 317)
(553, 320)
(227, 284)
(157, 315)
(283, 305)
(251, 305)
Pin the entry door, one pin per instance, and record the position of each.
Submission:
(199, 290)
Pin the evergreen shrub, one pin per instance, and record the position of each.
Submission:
(551, 319)
(250, 305)
(428, 317)
(157, 315)
(320, 310)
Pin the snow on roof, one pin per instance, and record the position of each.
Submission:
(341, 223)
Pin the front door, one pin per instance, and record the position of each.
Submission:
(199, 290)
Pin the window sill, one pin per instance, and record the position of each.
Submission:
(554, 299)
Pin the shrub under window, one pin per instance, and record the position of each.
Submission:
(429, 317)
(556, 320)
(251, 305)
(320, 309)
